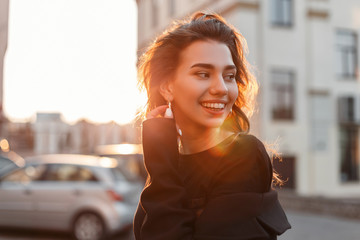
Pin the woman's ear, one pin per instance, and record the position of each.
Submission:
(166, 91)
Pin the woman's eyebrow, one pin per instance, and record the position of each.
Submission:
(210, 66)
(229, 67)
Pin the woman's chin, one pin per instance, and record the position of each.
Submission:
(214, 123)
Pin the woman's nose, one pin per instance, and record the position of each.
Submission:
(218, 86)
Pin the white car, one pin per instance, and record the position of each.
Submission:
(90, 196)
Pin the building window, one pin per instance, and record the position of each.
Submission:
(155, 13)
(321, 114)
(348, 118)
(282, 12)
(349, 150)
(346, 54)
(346, 110)
(283, 95)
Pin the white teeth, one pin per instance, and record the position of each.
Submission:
(214, 105)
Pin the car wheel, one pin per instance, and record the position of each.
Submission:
(89, 226)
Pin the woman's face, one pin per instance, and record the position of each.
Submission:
(204, 87)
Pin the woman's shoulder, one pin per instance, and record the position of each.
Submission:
(249, 153)
(248, 143)
(250, 146)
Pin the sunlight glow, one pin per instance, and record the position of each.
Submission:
(4, 145)
(73, 57)
(119, 149)
(108, 162)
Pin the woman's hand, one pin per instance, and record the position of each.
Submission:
(162, 111)
(158, 112)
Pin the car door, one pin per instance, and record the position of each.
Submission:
(57, 195)
(16, 199)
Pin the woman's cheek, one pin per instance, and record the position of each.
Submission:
(233, 92)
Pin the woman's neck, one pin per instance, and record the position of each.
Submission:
(197, 141)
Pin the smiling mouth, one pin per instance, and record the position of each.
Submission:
(214, 106)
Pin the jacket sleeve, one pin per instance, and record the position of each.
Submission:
(161, 213)
(242, 206)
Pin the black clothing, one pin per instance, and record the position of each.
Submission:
(223, 193)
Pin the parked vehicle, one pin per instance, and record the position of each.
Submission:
(128, 155)
(10, 159)
(5, 162)
(90, 196)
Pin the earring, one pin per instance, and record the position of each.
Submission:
(168, 112)
(179, 131)
(230, 113)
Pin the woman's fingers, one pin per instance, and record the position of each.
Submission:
(157, 112)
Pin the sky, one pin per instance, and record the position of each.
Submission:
(76, 57)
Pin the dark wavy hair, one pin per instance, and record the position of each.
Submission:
(160, 60)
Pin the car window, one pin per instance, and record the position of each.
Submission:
(5, 162)
(118, 176)
(68, 172)
(121, 175)
(4, 170)
(25, 174)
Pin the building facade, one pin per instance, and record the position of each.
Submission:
(306, 59)
(4, 23)
(52, 135)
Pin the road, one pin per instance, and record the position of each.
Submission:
(305, 226)
(38, 235)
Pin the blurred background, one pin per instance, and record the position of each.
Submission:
(68, 85)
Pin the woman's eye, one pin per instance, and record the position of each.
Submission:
(203, 75)
(230, 77)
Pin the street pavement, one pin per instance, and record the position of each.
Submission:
(305, 226)
(308, 226)
(38, 235)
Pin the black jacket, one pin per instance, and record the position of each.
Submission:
(172, 207)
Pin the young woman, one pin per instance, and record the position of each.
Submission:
(207, 177)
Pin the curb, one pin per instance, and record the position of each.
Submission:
(340, 207)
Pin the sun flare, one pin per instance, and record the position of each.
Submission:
(78, 59)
